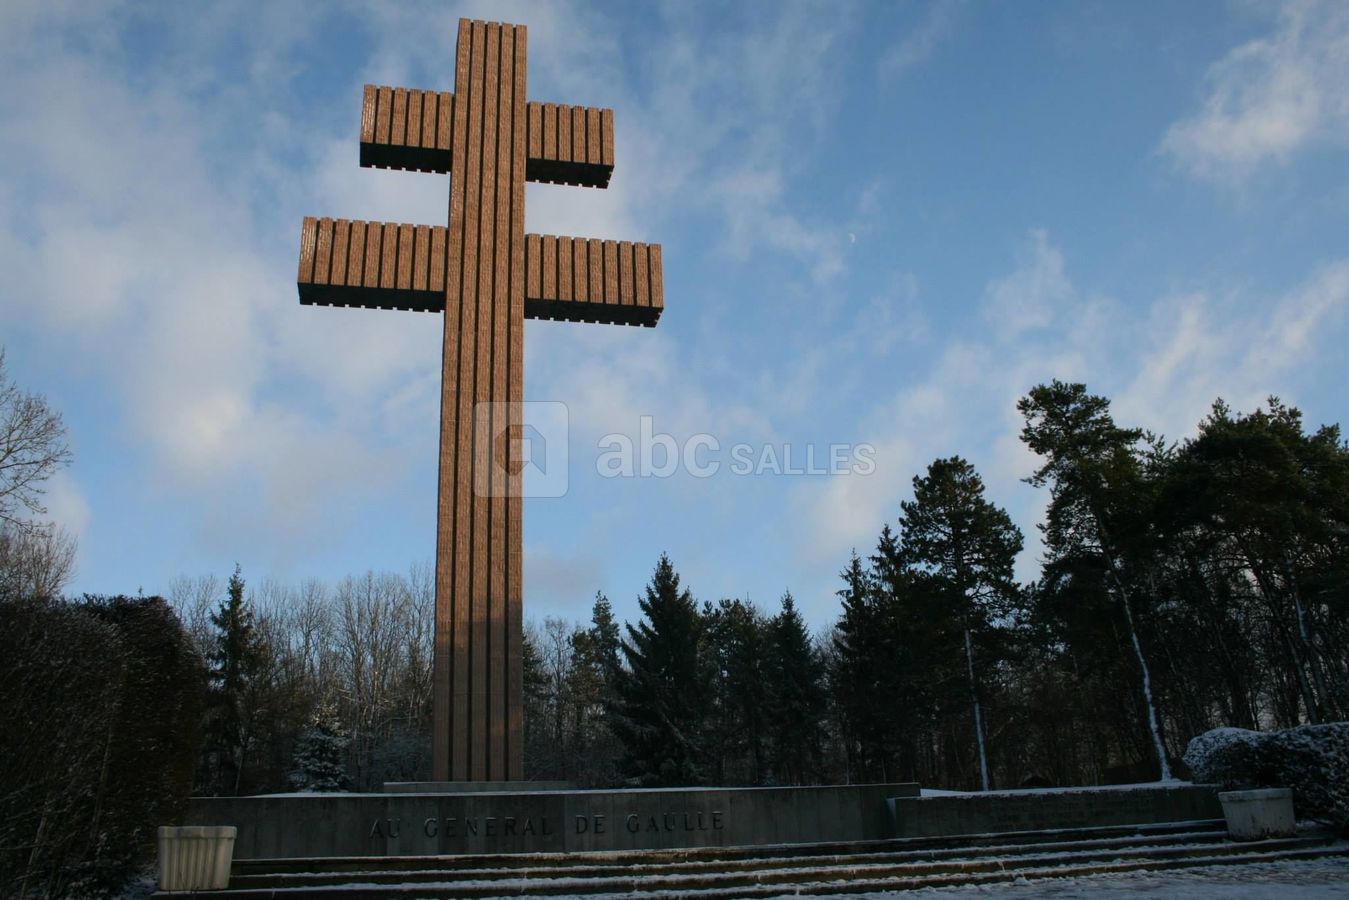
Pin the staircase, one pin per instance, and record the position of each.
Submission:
(713, 872)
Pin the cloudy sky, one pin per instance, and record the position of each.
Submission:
(882, 224)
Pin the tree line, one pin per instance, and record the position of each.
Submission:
(1182, 586)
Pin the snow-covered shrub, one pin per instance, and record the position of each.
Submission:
(320, 758)
(1231, 757)
(1313, 760)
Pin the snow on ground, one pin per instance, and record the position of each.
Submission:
(1288, 880)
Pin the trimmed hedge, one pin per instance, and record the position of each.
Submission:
(1313, 760)
(99, 724)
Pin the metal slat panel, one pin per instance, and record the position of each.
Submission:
(403, 276)
(536, 130)
(444, 119)
(421, 257)
(338, 269)
(482, 451)
(611, 272)
(374, 235)
(414, 126)
(548, 245)
(595, 280)
(578, 134)
(308, 238)
(450, 698)
(593, 151)
(533, 265)
(549, 131)
(429, 111)
(607, 138)
(501, 298)
(382, 115)
(580, 267)
(398, 127)
(388, 262)
(564, 133)
(564, 274)
(657, 279)
(323, 251)
(356, 255)
(640, 274)
(516, 381)
(626, 296)
(368, 102)
(436, 278)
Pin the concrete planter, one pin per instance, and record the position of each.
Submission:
(1256, 815)
(195, 857)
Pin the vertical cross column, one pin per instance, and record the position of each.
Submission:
(478, 684)
(487, 276)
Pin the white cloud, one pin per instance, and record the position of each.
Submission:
(1028, 297)
(66, 504)
(1270, 97)
(1196, 348)
(1161, 370)
(916, 46)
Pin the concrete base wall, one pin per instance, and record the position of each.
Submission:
(406, 824)
(948, 814)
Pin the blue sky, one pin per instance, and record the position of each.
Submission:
(883, 223)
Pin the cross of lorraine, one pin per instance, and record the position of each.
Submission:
(487, 276)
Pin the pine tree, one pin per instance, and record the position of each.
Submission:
(661, 700)
(1100, 508)
(604, 635)
(860, 646)
(796, 699)
(965, 547)
(235, 668)
(733, 634)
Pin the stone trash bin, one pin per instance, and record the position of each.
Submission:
(195, 857)
(1256, 815)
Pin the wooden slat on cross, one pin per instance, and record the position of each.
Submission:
(488, 276)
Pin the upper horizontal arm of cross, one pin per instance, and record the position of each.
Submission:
(410, 129)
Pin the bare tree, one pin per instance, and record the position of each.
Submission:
(194, 599)
(32, 448)
(371, 624)
(36, 561)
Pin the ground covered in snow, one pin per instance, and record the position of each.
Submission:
(1289, 880)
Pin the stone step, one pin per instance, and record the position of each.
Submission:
(629, 858)
(809, 877)
(445, 870)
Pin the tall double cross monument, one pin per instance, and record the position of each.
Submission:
(487, 276)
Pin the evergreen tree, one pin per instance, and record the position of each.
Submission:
(796, 699)
(1266, 506)
(733, 643)
(236, 663)
(604, 635)
(966, 548)
(661, 700)
(320, 756)
(1100, 510)
(869, 669)
(540, 752)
